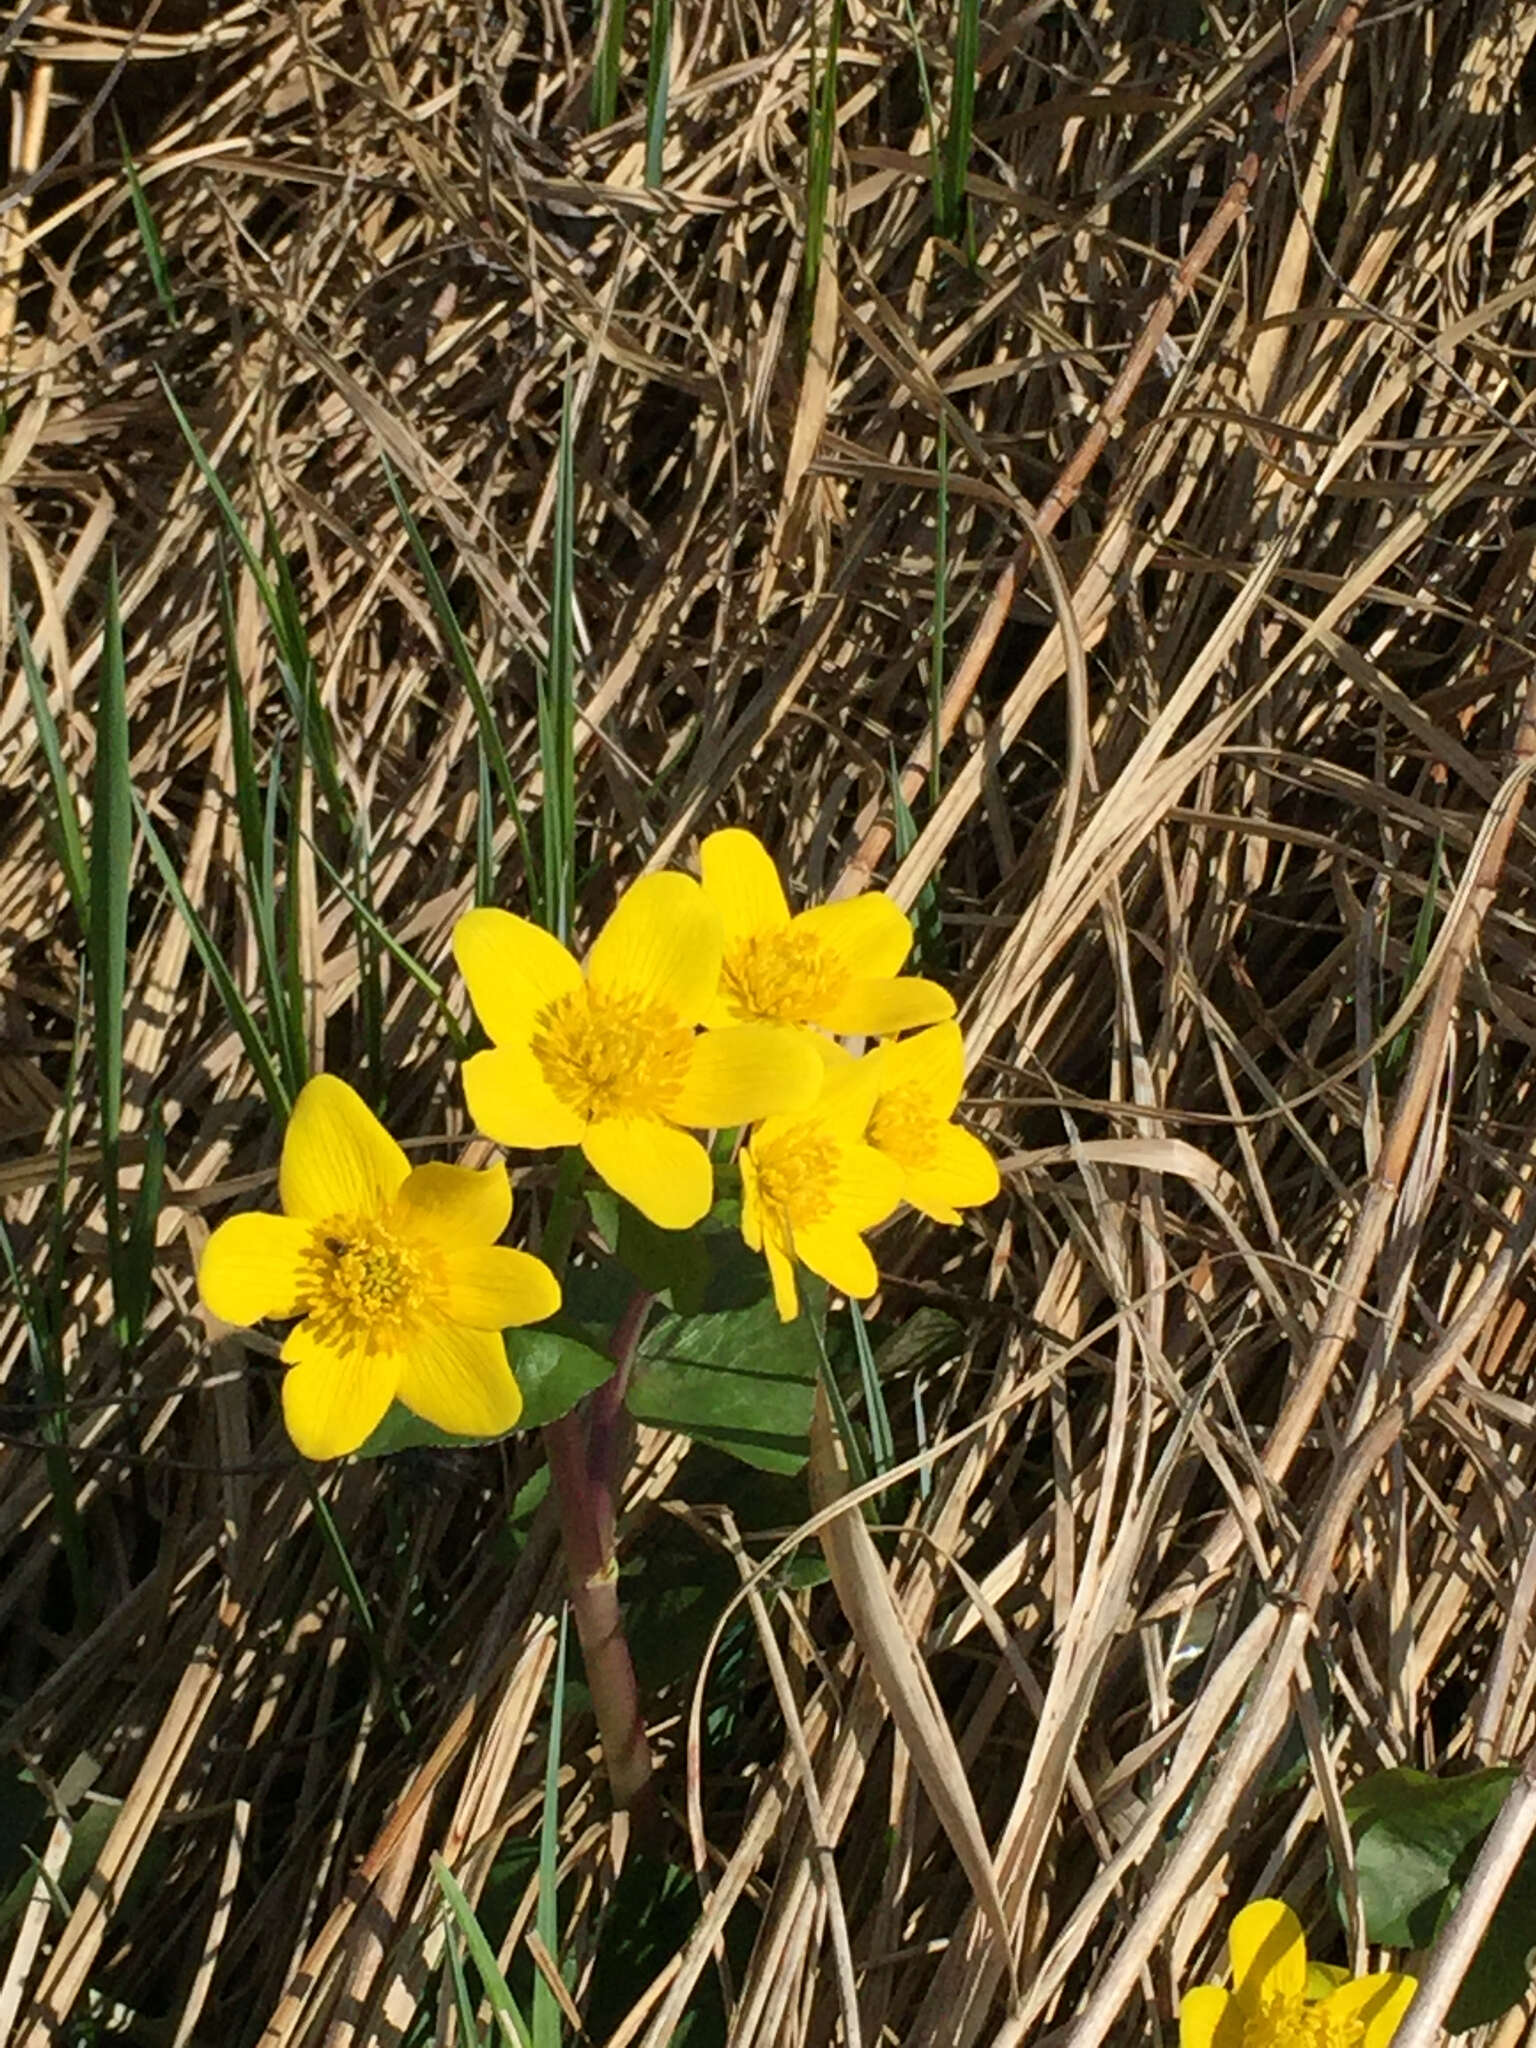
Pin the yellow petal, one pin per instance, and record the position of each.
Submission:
(251, 1267)
(455, 1206)
(1323, 1978)
(663, 943)
(492, 1287)
(333, 1399)
(751, 1202)
(1208, 2018)
(962, 1175)
(741, 880)
(338, 1159)
(512, 969)
(872, 1008)
(841, 1257)
(746, 1072)
(869, 1188)
(663, 1171)
(781, 1271)
(1375, 2004)
(459, 1380)
(931, 1063)
(511, 1101)
(1269, 1953)
(867, 934)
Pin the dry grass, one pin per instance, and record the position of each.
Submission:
(1239, 1452)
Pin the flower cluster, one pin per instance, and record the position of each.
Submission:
(702, 1005)
(1278, 2000)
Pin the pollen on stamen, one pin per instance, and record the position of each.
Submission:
(608, 1054)
(780, 977)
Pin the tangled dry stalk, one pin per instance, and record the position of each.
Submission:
(1228, 844)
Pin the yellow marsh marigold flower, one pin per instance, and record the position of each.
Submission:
(1268, 2005)
(918, 1080)
(609, 1059)
(834, 966)
(396, 1272)
(810, 1185)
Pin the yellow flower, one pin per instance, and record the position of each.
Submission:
(810, 1186)
(834, 966)
(609, 1059)
(1268, 2006)
(943, 1168)
(396, 1272)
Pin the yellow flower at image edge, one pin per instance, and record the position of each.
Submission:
(1268, 2005)
(811, 1186)
(835, 966)
(918, 1081)
(396, 1273)
(608, 1058)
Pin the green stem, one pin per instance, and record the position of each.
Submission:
(584, 1451)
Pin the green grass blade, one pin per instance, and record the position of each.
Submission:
(882, 1440)
(823, 145)
(425, 981)
(469, 676)
(296, 665)
(557, 696)
(463, 2002)
(955, 161)
(357, 1600)
(149, 233)
(546, 2007)
(139, 1251)
(925, 94)
(928, 947)
(485, 829)
(608, 63)
(481, 1954)
(370, 979)
(44, 1351)
(107, 927)
(238, 1011)
(658, 80)
(69, 845)
(940, 624)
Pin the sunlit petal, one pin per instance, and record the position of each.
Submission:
(512, 969)
(742, 882)
(492, 1287)
(1269, 1953)
(963, 1174)
(781, 1271)
(334, 1397)
(1208, 2018)
(869, 1188)
(868, 935)
(459, 1380)
(251, 1267)
(663, 943)
(662, 1170)
(930, 1063)
(840, 1256)
(453, 1206)
(751, 1203)
(746, 1072)
(511, 1101)
(873, 1008)
(1375, 2004)
(338, 1159)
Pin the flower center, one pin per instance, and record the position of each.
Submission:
(781, 977)
(904, 1127)
(365, 1284)
(1290, 2023)
(607, 1054)
(797, 1175)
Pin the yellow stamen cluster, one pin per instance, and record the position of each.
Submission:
(903, 1124)
(607, 1054)
(365, 1283)
(1290, 2023)
(797, 1175)
(780, 976)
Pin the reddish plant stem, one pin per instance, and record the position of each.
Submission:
(583, 1449)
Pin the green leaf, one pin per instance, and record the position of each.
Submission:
(402, 1431)
(1416, 1839)
(671, 1264)
(554, 1369)
(740, 1380)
